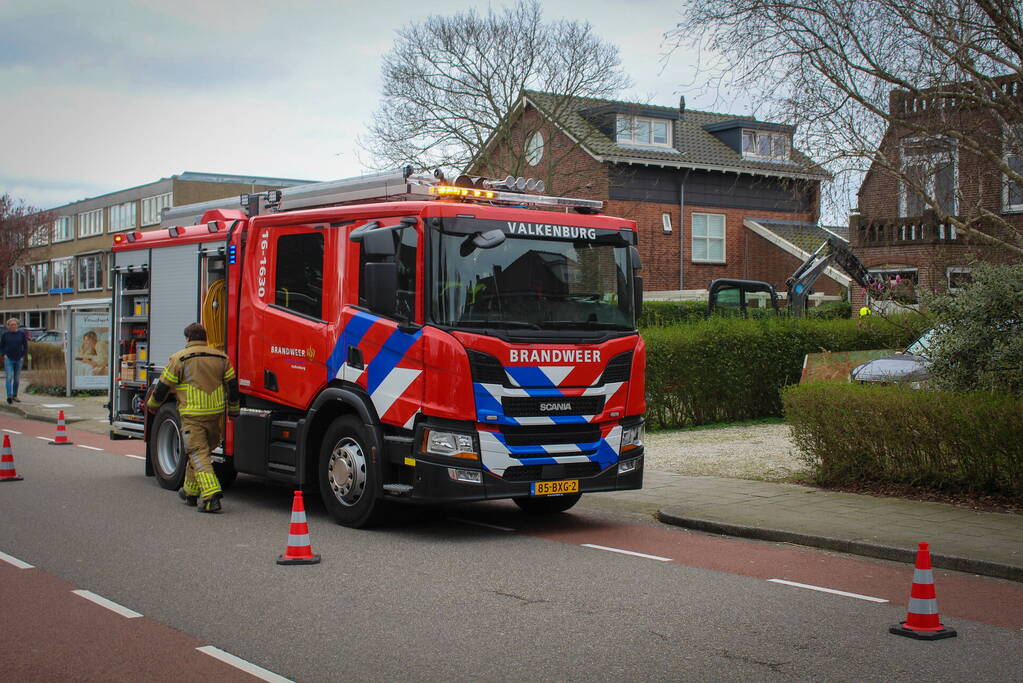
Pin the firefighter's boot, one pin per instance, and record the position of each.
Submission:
(189, 498)
(209, 492)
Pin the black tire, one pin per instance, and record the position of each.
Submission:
(547, 505)
(349, 478)
(166, 450)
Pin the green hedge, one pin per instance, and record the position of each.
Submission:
(727, 369)
(830, 310)
(670, 313)
(955, 442)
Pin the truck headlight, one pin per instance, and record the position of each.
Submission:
(451, 444)
(632, 437)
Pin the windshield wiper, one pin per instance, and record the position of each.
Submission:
(593, 324)
(497, 323)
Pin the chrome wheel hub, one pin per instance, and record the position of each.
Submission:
(346, 471)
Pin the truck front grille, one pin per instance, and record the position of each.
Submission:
(574, 470)
(547, 435)
(528, 406)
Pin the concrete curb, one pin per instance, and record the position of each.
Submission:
(29, 415)
(905, 555)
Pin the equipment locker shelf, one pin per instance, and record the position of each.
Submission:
(131, 365)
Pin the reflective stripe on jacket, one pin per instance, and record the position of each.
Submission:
(202, 376)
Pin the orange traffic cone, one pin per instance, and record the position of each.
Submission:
(7, 471)
(299, 551)
(61, 438)
(922, 620)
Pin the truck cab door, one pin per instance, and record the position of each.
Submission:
(293, 286)
(381, 351)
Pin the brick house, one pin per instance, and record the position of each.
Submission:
(74, 251)
(895, 232)
(714, 195)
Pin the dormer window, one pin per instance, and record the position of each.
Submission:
(765, 145)
(645, 131)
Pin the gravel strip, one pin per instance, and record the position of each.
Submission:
(763, 452)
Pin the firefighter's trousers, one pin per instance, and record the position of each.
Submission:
(201, 434)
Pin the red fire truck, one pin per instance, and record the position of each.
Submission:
(396, 338)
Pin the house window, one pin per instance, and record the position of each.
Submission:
(37, 319)
(958, 277)
(90, 223)
(152, 208)
(708, 237)
(62, 229)
(1012, 195)
(929, 172)
(901, 280)
(38, 282)
(90, 272)
(640, 130)
(16, 281)
(40, 237)
(534, 148)
(666, 222)
(122, 216)
(765, 145)
(63, 271)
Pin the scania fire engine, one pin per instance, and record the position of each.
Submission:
(396, 338)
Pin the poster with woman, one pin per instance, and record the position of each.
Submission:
(90, 344)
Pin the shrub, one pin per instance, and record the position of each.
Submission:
(955, 442)
(45, 355)
(728, 369)
(830, 310)
(670, 313)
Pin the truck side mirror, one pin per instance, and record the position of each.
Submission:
(381, 287)
(379, 243)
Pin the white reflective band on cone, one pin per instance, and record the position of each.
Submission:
(919, 606)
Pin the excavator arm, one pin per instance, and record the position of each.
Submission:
(801, 282)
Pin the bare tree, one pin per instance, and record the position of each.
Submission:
(859, 76)
(21, 228)
(450, 80)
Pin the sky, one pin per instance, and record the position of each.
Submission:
(104, 95)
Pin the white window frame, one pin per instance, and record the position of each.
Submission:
(123, 216)
(775, 137)
(90, 223)
(666, 222)
(84, 282)
(66, 268)
(152, 207)
(32, 278)
(40, 238)
(631, 124)
(693, 237)
(904, 187)
(535, 148)
(63, 229)
(16, 282)
(1008, 156)
(955, 270)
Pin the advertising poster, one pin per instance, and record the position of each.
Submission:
(90, 345)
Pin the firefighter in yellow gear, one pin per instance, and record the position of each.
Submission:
(204, 381)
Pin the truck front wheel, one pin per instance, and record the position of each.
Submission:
(349, 479)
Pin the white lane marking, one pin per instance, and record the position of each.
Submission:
(10, 559)
(239, 663)
(475, 523)
(57, 405)
(828, 590)
(44, 438)
(137, 457)
(627, 552)
(11, 431)
(91, 448)
(110, 605)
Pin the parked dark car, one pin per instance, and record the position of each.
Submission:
(906, 367)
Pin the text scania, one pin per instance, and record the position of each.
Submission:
(547, 356)
(569, 232)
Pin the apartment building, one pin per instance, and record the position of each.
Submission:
(73, 253)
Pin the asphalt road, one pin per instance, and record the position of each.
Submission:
(479, 592)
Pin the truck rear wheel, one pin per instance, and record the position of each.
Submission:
(166, 454)
(547, 505)
(349, 479)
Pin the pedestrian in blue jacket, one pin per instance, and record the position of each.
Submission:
(14, 348)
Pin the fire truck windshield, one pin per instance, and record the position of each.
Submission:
(525, 282)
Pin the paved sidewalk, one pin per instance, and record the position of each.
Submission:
(890, 528)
